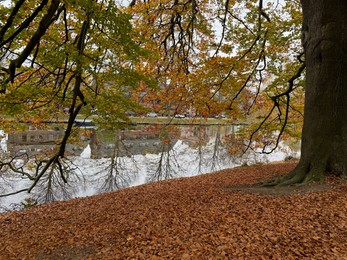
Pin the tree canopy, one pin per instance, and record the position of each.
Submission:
(211, 57)
(233, 57)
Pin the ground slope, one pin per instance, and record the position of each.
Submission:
(213, 216)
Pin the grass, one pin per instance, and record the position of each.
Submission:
(180, 121)
(163, 120)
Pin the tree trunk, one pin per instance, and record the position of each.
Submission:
(324, 136)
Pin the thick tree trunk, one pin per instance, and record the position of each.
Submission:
(324, 136)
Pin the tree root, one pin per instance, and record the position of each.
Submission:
(302, 174)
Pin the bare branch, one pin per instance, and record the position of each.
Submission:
(132, 3)
(13, 193)
(276, 100)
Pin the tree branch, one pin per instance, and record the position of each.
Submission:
(35, 39)
(10, 19)
(276, 104)
(24, 24)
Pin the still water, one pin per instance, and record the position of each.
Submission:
(103, 160)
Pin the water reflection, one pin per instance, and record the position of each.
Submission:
(103, 160)
(33, 141)
(144, 140)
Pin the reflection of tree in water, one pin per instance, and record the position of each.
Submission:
(167, 166)
(60, 181)
(12, 171)
(205, 139)
(216, 154)
(117, 174)
(201, 143)
(48, 178)
(6, 183)
(228, 146)
(149, 147)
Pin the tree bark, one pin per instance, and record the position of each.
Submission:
(324, 136)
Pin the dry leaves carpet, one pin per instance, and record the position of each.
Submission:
(202, 217)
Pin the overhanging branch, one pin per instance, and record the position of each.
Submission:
(276, 105)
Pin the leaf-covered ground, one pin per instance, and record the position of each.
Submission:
(213, 216)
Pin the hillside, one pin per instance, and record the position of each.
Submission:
(212, 216)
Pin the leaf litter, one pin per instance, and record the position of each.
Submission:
(212, 216)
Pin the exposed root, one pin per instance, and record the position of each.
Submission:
(302, 174)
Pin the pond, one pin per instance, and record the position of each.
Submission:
(103, 160)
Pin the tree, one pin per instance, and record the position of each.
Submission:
(56, 54)
(268, 36)
(324, 145)
(221, 71)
